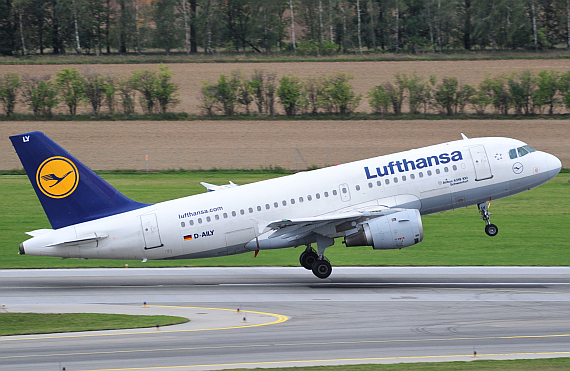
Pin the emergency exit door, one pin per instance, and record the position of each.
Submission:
(150, 231)
(481, 163)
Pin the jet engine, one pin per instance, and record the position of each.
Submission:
(394, 231)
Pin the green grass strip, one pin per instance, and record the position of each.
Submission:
(36, 323)
(544, 364)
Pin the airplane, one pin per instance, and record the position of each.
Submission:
(376, 202)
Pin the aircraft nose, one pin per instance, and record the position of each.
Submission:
(554, 165)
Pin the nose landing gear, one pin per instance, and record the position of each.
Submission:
(490, 229)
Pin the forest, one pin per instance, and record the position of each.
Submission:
(299, 27)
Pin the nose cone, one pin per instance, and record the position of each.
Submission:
(554, 165)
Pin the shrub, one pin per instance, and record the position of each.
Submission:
(144, 83)
(547, 87)
(71, 86)
(340, 95)
(314, 92)
(464, 95)
(9, 86)
(40, 94)
(446, 95)
(270, 92)
(257, 85)
(289, 93)
(522, 88)
(564, 87)
(416, 89)
(379, 99)
(209, 97)
(94, 91)
(244, 91)
(165, 89)
(495, 88)
(110, 92)
(127, 95)
(227, 93)
(480, 100)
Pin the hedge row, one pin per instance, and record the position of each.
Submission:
(41, 94)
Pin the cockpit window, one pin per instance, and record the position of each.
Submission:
(513, 153)
(529, 149)
(522, 151)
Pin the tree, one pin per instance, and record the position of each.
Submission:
(167, 33)
(547, 87)
(94, 91)
(165, 89)
(71, 86)
(289, 93)
(40, 94)
(144, 83)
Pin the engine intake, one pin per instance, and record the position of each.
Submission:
(394, 231)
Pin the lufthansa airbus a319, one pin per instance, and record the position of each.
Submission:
(376, 202)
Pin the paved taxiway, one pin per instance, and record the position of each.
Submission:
(358, 315)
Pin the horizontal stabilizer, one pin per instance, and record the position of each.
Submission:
(38, 232)
(81, 240)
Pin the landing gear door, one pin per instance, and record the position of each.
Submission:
(344, 192)
(150, 231)
(481, 163)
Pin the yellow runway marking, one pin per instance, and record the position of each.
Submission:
(289, 345)
(331, 360)
(280, 319)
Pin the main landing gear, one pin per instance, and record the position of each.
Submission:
(316, 261)
(490, 229)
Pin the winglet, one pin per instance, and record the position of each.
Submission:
(69, 191)
(464, 136)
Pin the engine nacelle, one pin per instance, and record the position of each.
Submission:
(394, 231)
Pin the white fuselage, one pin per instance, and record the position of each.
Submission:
(431, 179)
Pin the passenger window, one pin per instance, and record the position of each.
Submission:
(378, 183)
(300, 199)
(318, 196)
(208, 219)
(454, 167)
(242, 212)
(199, 220)
(234, 213)
(358, 188)
(370, 185)
(446, 169)
(412, 176)
(292, 201)
(513, 153)
(421, 174)
(259, 208)
(404, 178)
(395, 179)
(334, 192)
(309, 197)
(326, 194)
(267, 207)
(251, 210)
(217, 217)
(387, 181)
(225, 215)
(429, 172)
(284, 203)
(522, 151)
(437, 171)
(191, 222)
(343, 190)
(182, 224)
(275, 205)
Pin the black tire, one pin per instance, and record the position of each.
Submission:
(322, 269)
(491, 230)
(307, 259)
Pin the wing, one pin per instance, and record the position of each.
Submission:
(214, 187)
(330, 225)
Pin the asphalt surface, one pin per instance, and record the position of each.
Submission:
(358, 315)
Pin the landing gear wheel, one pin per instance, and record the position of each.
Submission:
(491, 230)
(322, 268)
(308, 258)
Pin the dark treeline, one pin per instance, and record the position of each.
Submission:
(306, 27)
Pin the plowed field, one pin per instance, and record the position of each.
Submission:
(253, 144)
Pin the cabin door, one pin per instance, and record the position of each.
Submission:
(150, 231)
(481, 163)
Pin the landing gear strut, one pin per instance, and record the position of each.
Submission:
(490, 229)
(316, 260)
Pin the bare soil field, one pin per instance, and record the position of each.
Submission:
(108, 145)
(366, 74)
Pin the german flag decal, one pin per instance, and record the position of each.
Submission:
(188, 238)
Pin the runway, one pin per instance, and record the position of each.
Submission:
(358, 315)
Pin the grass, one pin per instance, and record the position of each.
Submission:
(184, 116)
(157, 56)
(546, 364)
(533, 228)
(36, 323)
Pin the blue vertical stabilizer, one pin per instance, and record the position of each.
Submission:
(69, 191)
